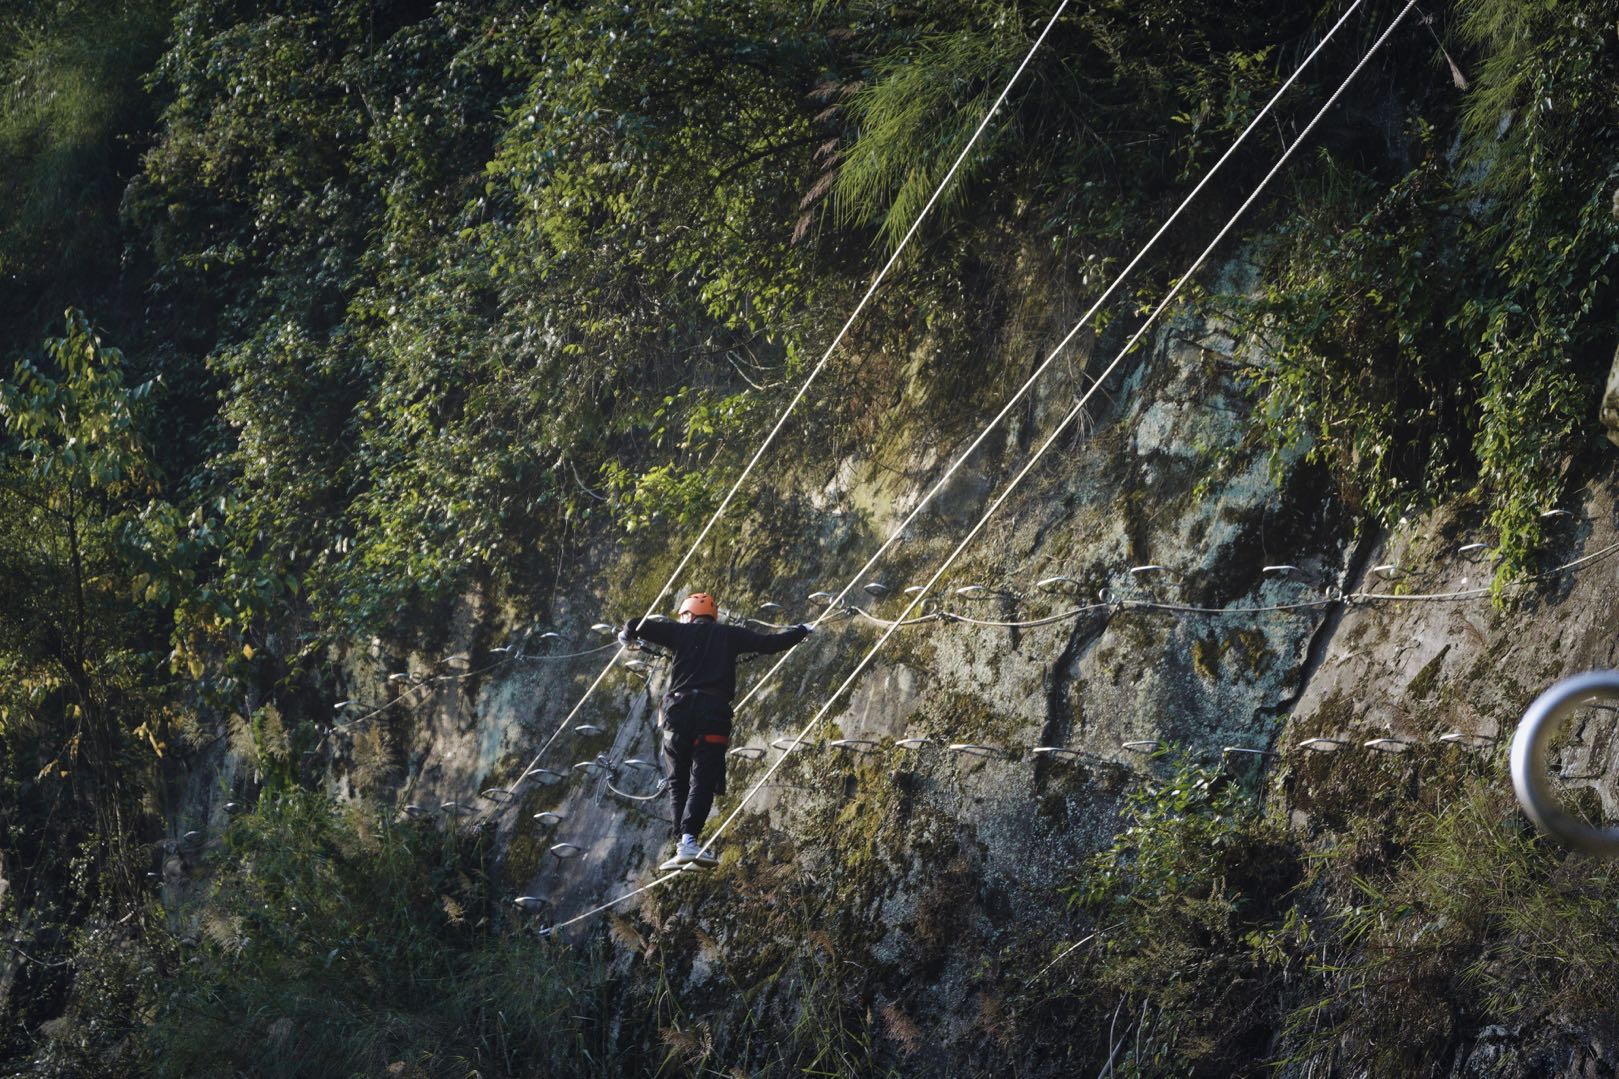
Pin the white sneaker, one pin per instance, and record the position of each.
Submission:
(685, 854)
(693, 852)
(690, 853)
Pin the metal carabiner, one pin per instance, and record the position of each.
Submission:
(1529, 775)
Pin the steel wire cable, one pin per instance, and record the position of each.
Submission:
(1017, 480)
(438, 679)
(1188, 608)
(1051, 357)
(1480, 592)
(1027, 623)
(814, 372)
(917, 621)
(1177, 608)
(563, 655)
(425, 683)
(1128, 604)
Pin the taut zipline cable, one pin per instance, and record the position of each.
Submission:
(814, 373)
(1016, 480)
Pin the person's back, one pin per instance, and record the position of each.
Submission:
(696, 712)
(705, 652)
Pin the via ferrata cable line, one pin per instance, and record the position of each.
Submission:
(815, 372)
(1051, 357)
(1016, 480)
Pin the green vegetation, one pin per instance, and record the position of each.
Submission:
(71, 72)
(83, 714)
(1448, 330)
(1221, 944)
(1480, 922)
(337, 943)
(790, 1005)
(331, 942)
(419, 301)
(1181, 900)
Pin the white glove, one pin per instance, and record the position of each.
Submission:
(806, 627)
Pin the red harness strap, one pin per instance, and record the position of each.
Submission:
(711, 739)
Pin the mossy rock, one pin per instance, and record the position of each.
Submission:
(1421, 687)
(525, 853)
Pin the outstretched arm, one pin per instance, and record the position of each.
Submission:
(746, 640)
(655, 630)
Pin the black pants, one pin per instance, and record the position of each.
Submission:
(695, 736)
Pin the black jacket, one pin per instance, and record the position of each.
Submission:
(705, 652)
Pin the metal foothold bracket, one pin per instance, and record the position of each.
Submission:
(1469, 739)
(1529, 774)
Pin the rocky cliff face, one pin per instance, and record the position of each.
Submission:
(924, 882)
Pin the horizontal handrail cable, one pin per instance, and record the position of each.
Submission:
(815, 372)
(1051, 357)
(1017, 480)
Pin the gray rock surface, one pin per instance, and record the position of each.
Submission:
(1610, 403)
(1213, 652)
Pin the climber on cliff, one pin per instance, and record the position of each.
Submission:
(696, 713)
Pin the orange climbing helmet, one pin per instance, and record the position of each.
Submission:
(700, 605)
